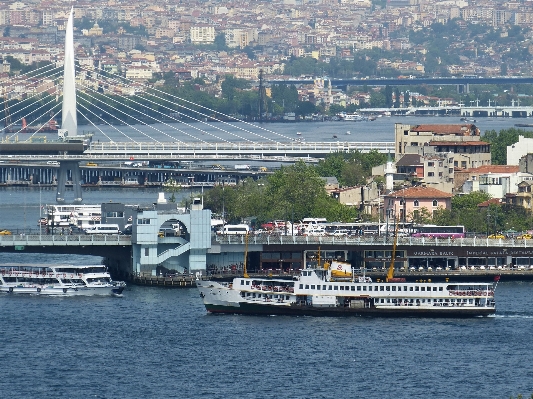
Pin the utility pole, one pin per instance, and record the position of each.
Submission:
(261, 95)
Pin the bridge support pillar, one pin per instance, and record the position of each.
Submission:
(64, 167)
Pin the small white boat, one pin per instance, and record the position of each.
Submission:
(67, 280)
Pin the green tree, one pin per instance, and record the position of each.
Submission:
(220, 42)
(499, 141)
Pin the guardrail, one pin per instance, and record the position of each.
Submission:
(57, 239)
(376, 240)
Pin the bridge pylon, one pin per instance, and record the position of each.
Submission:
(64, 167)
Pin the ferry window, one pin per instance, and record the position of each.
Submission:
(364, 288)
(287, 297)
(387, 288)
(388, 300)
(429, 288)
(422, 288)
(382, 288)
(312, 287)
(470, 301)
(370, 288)
(342, 287)
(329, 287)
(394, 288)
(358, 288)
(405, 288)
(434, 288)
(247, 283)
(301, 286)
(423, 300)
(353, 287)
(307, 286)
(410, 288)
(335, 287)
(347, 288)
(440, 288)
(416, 288)
(242, 282)
(317, 287)
(323, 287)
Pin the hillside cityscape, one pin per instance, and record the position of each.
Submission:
(172, 43)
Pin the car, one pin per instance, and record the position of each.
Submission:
(525, 237)
(497, 236)
(5, 233)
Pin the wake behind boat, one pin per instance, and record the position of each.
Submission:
(66, 280)
(337, 291)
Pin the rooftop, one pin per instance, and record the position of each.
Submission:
(460, 130)
(419, 192)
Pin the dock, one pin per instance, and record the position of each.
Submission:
(179, 281)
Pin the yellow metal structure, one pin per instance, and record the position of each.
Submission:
(390, 273)
(245, 272)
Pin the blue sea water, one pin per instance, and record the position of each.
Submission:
(161, 343)
(382, 129)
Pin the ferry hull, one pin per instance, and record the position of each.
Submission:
(296, 310)
(64, 291)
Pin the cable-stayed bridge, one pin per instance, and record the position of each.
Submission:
(122, 120)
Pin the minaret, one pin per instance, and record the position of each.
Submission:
(69, 120)
(390, 169)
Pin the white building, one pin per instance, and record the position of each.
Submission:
(497, 184)
(517, 150)
(202, 34)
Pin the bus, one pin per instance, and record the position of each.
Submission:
(431, 230)
(235, 229)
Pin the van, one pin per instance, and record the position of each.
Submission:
(235, 229)
(103, 229)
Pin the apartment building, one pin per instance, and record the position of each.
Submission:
(462, 140)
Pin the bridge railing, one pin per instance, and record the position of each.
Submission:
(57, 239)
(375, 240)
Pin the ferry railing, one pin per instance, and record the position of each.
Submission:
(376, 240)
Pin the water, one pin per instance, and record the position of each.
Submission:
(159, 343)
(382, 129)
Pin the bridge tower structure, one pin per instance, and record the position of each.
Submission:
(69, 121)
(185, 251)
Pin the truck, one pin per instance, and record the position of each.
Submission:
(243, 167)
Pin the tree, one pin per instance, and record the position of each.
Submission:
(220, 42)
(500, 141)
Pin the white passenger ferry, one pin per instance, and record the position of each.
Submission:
(58, 280)
(337, 291)
(81, 216)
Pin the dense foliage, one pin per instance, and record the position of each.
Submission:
(500, 140)
(292, 193)
(491, 219)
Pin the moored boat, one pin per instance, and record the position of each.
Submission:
(67, 280)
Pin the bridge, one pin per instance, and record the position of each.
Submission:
(223, 250)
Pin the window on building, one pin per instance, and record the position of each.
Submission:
(416, 203)
(414, 144)
(435, 203)
(431, 174)
(406, 132)
(440, 174)
(430, 163)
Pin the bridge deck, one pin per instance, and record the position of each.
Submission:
(122, 240)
